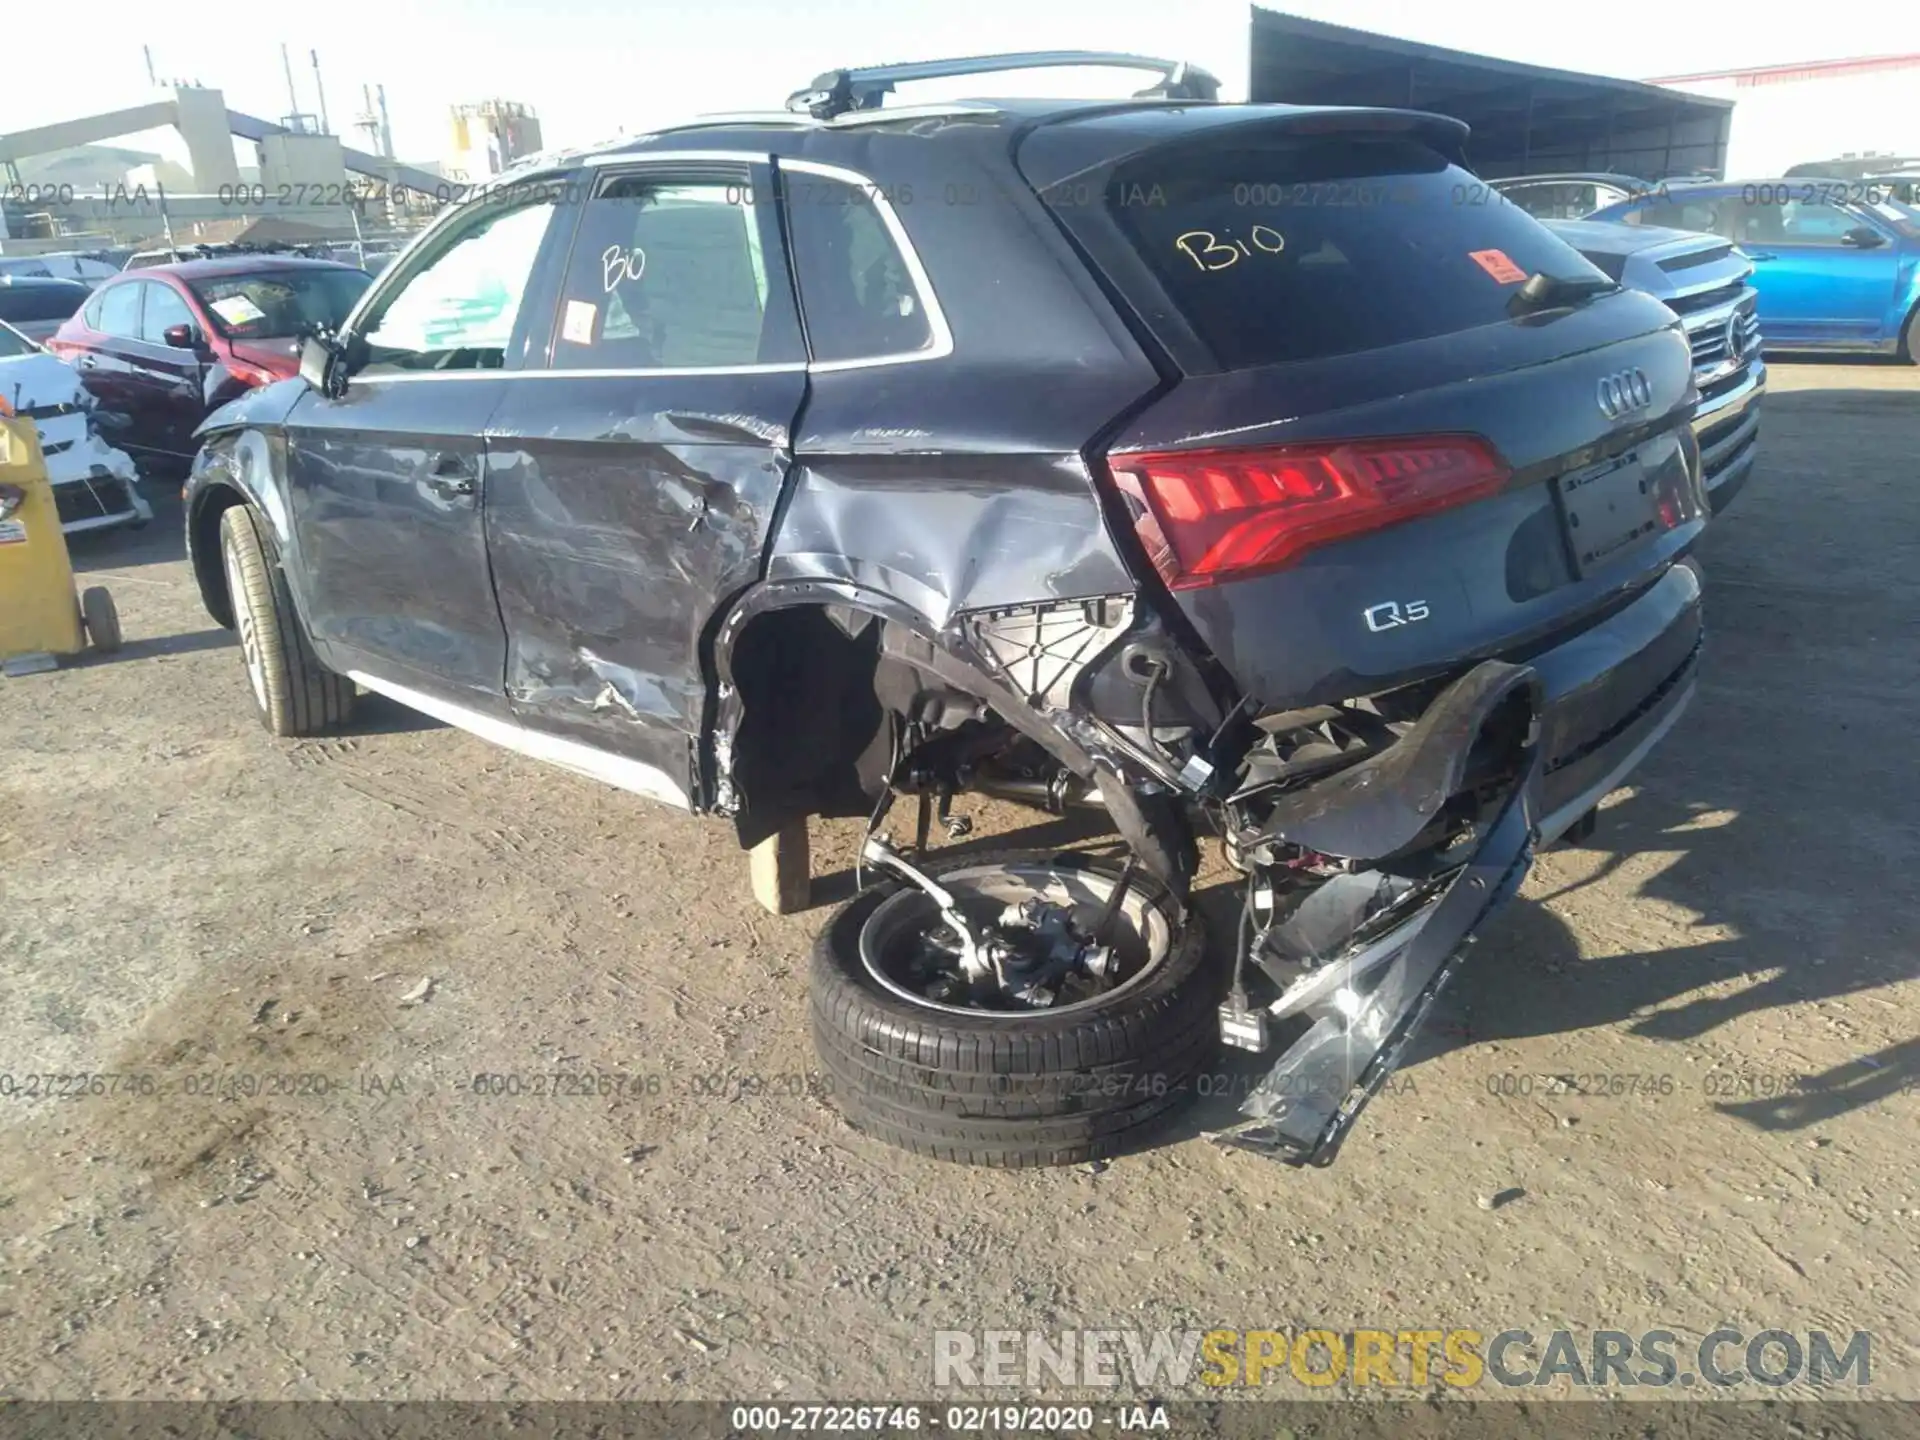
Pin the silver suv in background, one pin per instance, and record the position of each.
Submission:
(1704, 279)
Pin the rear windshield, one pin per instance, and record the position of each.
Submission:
(1291, 248)
(26, 304)
(280, 304)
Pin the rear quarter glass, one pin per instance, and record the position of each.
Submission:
(1295, 248)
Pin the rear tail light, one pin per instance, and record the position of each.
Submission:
(1211, 515)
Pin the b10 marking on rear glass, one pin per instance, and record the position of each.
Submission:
(1218, 254)
(1391, 614)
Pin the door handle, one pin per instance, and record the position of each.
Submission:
(452, 474)
(1760, 255)
(85, 362)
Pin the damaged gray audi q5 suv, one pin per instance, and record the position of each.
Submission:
(1207, 463)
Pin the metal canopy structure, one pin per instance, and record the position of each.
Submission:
(1526, 119)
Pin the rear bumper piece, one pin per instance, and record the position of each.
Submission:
(1608, 696)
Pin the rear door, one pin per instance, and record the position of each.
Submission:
(387, 479)
(1816, 286)
(634, 467)
(1377, 460)
(111, 321)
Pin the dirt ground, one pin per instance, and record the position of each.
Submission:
(184, 898)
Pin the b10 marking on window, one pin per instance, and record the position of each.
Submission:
(1218, 254)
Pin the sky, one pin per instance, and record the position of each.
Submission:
(592, 69)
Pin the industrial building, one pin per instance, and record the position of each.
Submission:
(1526, 119)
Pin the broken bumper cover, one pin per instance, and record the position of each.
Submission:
(1607, 697)
(1366, 1005)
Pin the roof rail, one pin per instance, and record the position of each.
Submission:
(839, 91)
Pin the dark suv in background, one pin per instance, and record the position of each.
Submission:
(1204, 463)
(38, 305)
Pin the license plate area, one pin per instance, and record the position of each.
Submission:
(1606, 511)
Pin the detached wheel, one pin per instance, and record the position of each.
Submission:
(1067, 1051)
(101, 619)
(295, 693)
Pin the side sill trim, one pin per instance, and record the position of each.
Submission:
(616, 770)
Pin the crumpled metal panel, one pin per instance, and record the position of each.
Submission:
(621, 515)
(950, 533)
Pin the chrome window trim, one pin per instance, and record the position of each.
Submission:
(939, 348)
(788, 367)
(941, 344)
(649, 157)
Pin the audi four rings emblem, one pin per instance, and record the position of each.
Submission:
(1627, 391)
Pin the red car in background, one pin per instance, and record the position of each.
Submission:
(161, 348)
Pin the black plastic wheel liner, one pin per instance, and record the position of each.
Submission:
(1378, 806)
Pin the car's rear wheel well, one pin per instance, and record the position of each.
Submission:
(823, 707)
(207, 569)
(801, 720)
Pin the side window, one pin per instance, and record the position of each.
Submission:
(1814, 223)
(1707, 216)
(672, 275)
(164, 308)
(120, 310)
(855, 289)
(457, 310)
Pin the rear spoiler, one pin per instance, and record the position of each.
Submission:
(1073, 144)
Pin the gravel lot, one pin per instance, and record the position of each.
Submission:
(183, 898)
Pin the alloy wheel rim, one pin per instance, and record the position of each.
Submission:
(1144, 934)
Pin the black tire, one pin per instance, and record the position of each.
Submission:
(1910, 338)
(294, 693)
(1013, 1090)
(102, 620)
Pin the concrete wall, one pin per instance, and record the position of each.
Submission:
(309, 160)
(202, 121)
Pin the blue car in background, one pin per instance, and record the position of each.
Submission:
(1836, 262)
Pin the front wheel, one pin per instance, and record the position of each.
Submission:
(294, 693)
(1073, 1046)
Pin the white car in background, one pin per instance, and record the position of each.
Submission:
(94, 485)
(60, 265)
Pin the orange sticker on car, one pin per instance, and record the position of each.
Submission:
(1496, 264)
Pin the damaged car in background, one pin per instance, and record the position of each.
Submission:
(1203, 463)
(94, 485)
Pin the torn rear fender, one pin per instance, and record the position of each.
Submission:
(1027, 663)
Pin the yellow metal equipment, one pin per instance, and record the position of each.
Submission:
(38, 617)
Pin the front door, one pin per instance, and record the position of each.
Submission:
(170, 378)
(636, 465)
(387, 480)
(1817, 287)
